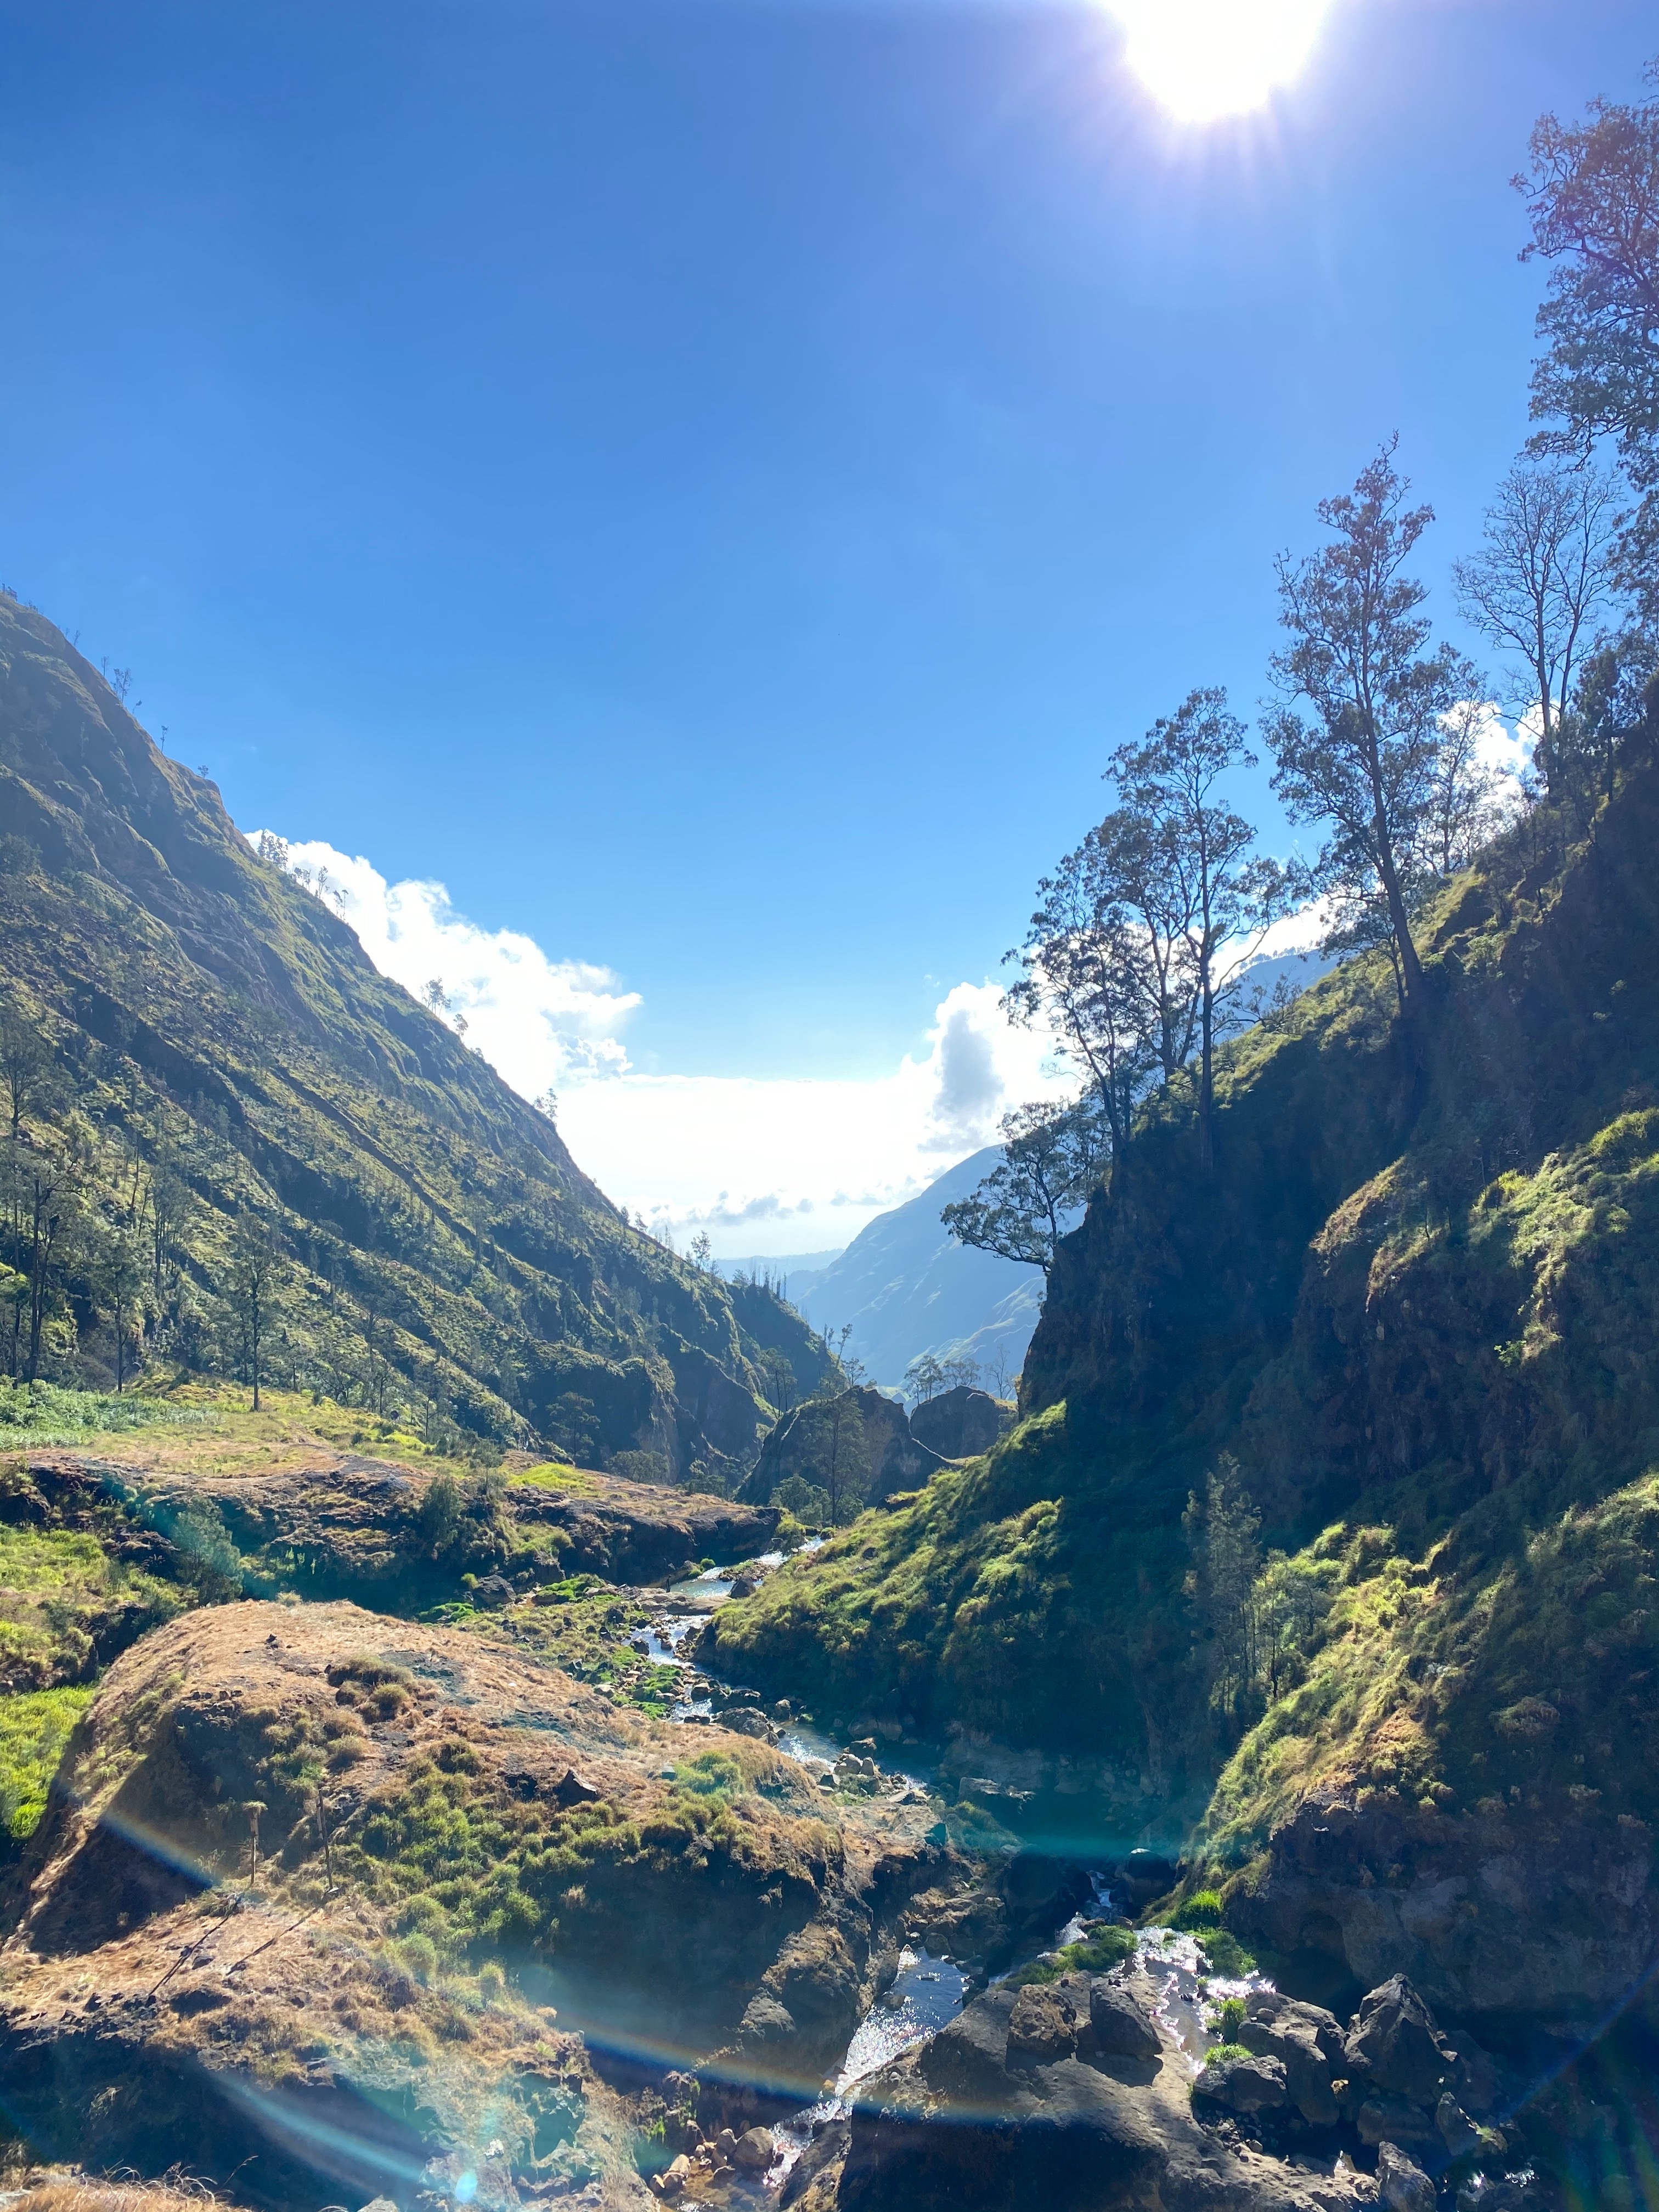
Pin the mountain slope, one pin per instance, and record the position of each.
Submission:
(231, 1052)
(1416, 1307)
(908, 1287)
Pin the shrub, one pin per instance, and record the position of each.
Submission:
(1201, 1909)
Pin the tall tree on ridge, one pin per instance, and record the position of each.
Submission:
(1540, 578)
(1593, 197)
(1359, 656)
(1220, 896)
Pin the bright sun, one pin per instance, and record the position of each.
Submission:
(1203, 59)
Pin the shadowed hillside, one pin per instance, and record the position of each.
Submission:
(249, 1094)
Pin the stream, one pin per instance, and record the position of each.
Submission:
(929, 1991)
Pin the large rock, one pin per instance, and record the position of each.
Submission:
(895, 1461)
(970, 2123)
(1489, 1912)
(1242, 2085)
(960, 1424)
(1307, 2041)
(1122, 2025)
(1402, 2183)
(1395, 2046)
(224, 1929)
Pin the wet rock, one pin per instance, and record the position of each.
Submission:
(1122, 2027)
(744, 1720)
(1396, 2045)
(1147, 1874)
(1402, 2183)
(1068, 2136)
(753, 2151)
(1457, 2130)
(1242, 2085)
(1041, 2027)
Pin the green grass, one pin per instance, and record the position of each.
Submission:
(66, 1605)
(42, 1413)
(33, 1730)
(1097, 1954)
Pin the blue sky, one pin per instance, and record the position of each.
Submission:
(708, 480)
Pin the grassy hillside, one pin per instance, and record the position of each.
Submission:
(1417, 1306)
(223, 1071)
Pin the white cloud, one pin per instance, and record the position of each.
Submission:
(537, 1021)
(804, 1161)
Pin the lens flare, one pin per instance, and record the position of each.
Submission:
(1206, 58)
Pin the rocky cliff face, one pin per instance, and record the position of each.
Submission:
(218, 1026)
(1409, 1319)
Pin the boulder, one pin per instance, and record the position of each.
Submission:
(753, 2151)
(1122, 2027)
(1242, 2085)
(1457, 2130)
(960, 1424)
(1041, 2027)
(1395, 2046)
(1402, 2183)
(1070, 2135)
(1306, 2039)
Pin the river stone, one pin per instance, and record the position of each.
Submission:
(1121, 2026)
(1402, 2183)
(1392, 2119)
(753, 2151)
(1394, 2045)
(1242, 2085)
(1041, 2027)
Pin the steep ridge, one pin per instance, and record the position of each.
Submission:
(1410, 1321)
(908, 1287)
(224, 1031)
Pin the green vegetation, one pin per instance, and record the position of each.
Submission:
(279, 1168)
(1096, 1953)
(1289, 1496)
(460, 1866)
(41, 1413)
(34, 1727)
(66, 1606)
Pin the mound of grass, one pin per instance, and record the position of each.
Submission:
(1101, 1950)
(33, 1730)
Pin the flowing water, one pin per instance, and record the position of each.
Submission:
(929, 1991)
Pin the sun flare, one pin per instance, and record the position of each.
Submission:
(1205, 59)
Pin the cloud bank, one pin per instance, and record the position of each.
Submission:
(783, 1165)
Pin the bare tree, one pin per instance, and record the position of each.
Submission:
(1541, 577)
(25, 1068)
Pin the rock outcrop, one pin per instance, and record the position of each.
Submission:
(1495, 1912)
(894, 1461)
(1020, 2102)
(290, 1850)
(962, 1423)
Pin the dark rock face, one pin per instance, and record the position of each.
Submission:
(1484, 1914)
(1122, 2026)
(897, 1460)
(1036, 2117)
(1308, 2043)
(960, 1424)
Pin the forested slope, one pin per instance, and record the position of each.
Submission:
(1407, 1325)
(217, 1088)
